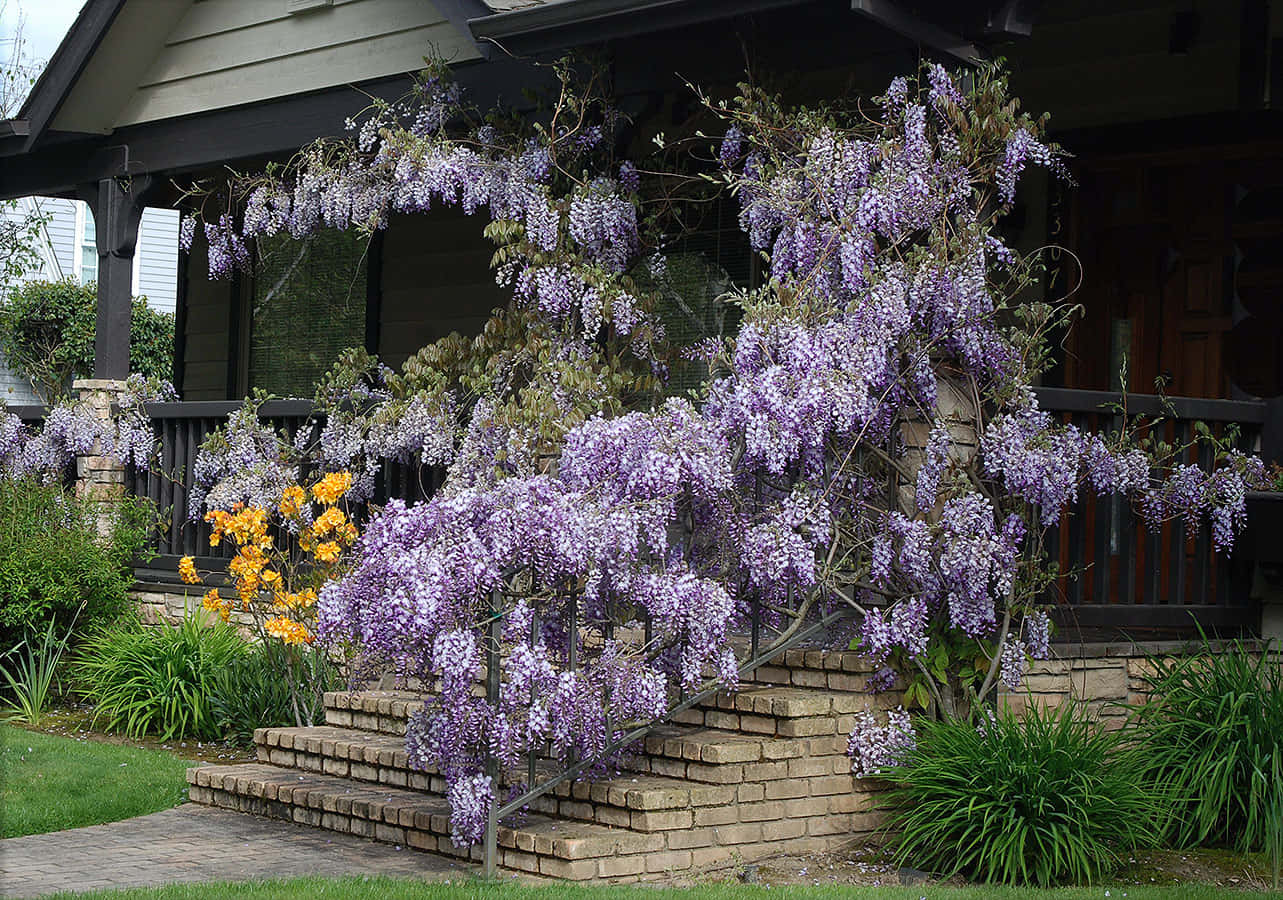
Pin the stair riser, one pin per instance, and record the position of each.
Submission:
(615, 804)
(734, 835)
(817, 713)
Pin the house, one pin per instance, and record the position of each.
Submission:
(66, 249)
(1172, 229)
(1169, 106)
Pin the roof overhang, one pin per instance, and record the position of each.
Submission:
(559, 24)
(40, 160)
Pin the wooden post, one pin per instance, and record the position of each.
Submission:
(117, 206)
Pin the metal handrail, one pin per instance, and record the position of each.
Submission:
(499, 813)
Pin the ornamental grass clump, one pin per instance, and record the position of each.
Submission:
(1213, 737)
(250, 693)
(156, 680)
(1046, 798)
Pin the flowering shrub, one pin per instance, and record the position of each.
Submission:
(285, 554)
(868, 442)
(71, 429)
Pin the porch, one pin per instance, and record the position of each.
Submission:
(1118, 578)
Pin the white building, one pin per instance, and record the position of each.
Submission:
(67, 250)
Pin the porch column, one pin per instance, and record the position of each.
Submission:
(117, 206)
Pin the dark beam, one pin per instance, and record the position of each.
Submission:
(892, 16)
(1013, 18)
(558, 26)
(117, 208)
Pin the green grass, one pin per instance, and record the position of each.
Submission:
(50, 783)
(398, 889)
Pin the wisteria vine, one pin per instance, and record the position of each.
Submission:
(868, 441)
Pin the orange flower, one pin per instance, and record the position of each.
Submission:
(287, 630)
(328, 552)
(217, 604)
(333, 486)
(292, 500)
(187, 570)
(332, 519)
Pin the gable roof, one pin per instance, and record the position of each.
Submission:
(164, 86)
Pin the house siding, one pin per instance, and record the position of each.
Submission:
(206, 331)
(1094, 63)
(223, 53)
(436, 279)
(157, 272)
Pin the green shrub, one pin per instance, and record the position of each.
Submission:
(1211, 735)
(47, 335)
(251, 692)
(1046, 798)
(157, 680)
(29, 670)
(53, 564)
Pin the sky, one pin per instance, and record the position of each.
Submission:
(45, 23)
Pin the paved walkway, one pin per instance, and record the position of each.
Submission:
(198, 843)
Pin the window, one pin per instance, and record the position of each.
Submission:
(308, 303)
(86, 263)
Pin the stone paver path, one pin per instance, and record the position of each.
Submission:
(198, 843)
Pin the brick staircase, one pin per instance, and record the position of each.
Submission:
(744, 776)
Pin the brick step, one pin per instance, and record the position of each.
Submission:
(770, 710)
(572, 850)
(536, 843)
(385, 712)
(704, 769)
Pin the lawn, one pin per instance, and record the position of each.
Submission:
(397, 889)
(50, 783)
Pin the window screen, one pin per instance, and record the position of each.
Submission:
(705, 264)
(308, 303)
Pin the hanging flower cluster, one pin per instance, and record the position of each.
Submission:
(72, 429)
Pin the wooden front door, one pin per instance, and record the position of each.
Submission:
(1153, 238)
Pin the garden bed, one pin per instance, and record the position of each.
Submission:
(75, 721)
(870, 866)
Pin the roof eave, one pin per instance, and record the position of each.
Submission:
(557, 26)
(65, 66)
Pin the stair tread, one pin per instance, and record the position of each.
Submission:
(625, 790)
(785, 702)
(430, 812)
(766, 700)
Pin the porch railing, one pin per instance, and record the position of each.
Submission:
(1117, 574)
(30, 414)
(180, 429)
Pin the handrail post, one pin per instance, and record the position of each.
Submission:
(1272, 432)
(491, 862)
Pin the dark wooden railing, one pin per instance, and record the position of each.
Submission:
(1120, 576)
(30, 414)
(180, 429)
(1117, 575)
